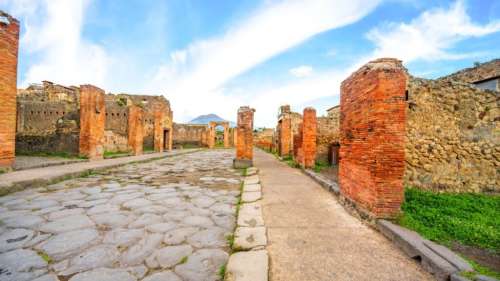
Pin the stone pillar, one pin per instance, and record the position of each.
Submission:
(285, 135)
(92, 120)
(244, 144)
(308, 141)
(211, 135)
(226, 135)
(158, 137)
(372, 137)
(9, 45)
(136, 129)
(297, 145)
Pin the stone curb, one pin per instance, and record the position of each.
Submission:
(18, 185)
(66, 162)
(249, 260)
(436, 259)
(325, 183)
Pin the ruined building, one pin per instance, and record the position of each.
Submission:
(204, 135)
(49, 118)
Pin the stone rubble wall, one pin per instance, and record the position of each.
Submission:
(264, 139)
(9, 45)
(453, 137)
(372, 137)
(328, 133)
(116, 126)
(473, 74)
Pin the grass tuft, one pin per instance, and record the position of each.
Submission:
(183, 260)
(222, 271)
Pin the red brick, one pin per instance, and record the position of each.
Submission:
(372, 137)
(284, 136)
(9, 45)
(92, 121)
(135, 129)
(244, 141)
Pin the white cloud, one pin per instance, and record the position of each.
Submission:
(429, 36)
(301, 71)
(53, 35)
(194, 81)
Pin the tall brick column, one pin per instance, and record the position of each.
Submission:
(158, 129)
(244, 142)
(9, 43)
(372, 137)
(136, 129)
(308, 141)
(285, 135)
(92, 120)
(211, 134)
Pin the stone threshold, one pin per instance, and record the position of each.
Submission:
(436, 259)
(43, 165)
(31, 178)
(249, 260)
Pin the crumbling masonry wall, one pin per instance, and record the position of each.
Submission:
(244, 142)
(189, 134)
(135, 129)
(117, 123)
(328, 134)
(453, 136)
(92, 121)
(9, 45)
(372, 137)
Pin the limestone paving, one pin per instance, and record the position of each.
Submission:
(163, 220)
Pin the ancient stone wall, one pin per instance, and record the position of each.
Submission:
(477, 73)
(244, 142)
(92, 122)
(372, 137)
(189, 134)
(328, 133)
(453, 136)
(264, 138)
(9, 45)
(116, 129)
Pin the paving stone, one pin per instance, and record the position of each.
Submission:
(23, 221)
(203, 201)
(39, 238)
(252, 187)
(104, 274)
(91, 190)
(21, 264)
(248, 197)
(15, 238)
(48, 210)
(104, 208)
(153, 209)
(113, 220)
(9, 214)
(161, 227)
(223, 208)
(138, 271)
(98, 256)
(138, 252)
(122, 198)
(172, 255)
(250, 214)
(199, 211)
(36, 204)
(67, 224)
(238, 268)
(247, 238)
(123, 237)
(65, 244)
(208, 238)
(179, 235)
(227, 222)
(65, 213)
(202, 265)
(137, 203)
(176, 215)
(47, 277)
(89, 204)
(163, 276)
(198, 221)
(252, 180)
(145, 219)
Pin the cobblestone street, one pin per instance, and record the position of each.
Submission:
(163, 220)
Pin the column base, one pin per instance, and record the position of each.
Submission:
(242, 163)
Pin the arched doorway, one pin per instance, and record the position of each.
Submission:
(214, 135)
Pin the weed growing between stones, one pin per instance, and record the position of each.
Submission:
(222, 271)
(183, 260)
(45, 257)
(320, 165)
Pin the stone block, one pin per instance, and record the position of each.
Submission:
(242, 163)
(250, 215)
(238, 268)
(253, 196)
(252, 180)
(247, 238)
(251, 187)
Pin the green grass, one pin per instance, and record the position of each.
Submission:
(114, 154)
(467, 218)
(320, 165)
(45, 257)
(222, 271)
(230, 240)
(148, 149)
(183, 260)
(50, 154)
(479, 269)
(290, 161)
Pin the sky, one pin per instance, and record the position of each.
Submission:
(214, 56)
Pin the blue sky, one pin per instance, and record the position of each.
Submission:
(213, 56)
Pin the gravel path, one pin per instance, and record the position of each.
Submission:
(163, 220)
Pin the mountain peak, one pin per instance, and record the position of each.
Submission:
(206, 118)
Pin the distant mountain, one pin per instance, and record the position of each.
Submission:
(204, 119)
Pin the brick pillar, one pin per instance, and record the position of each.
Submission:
(372, 137)
(9, 44)
(308, 145)
(136, 129)
(297, 145)
(92, 120)
(158, 130)
(226, 135)
(285, 135)
(211, 135)
(244, 143)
